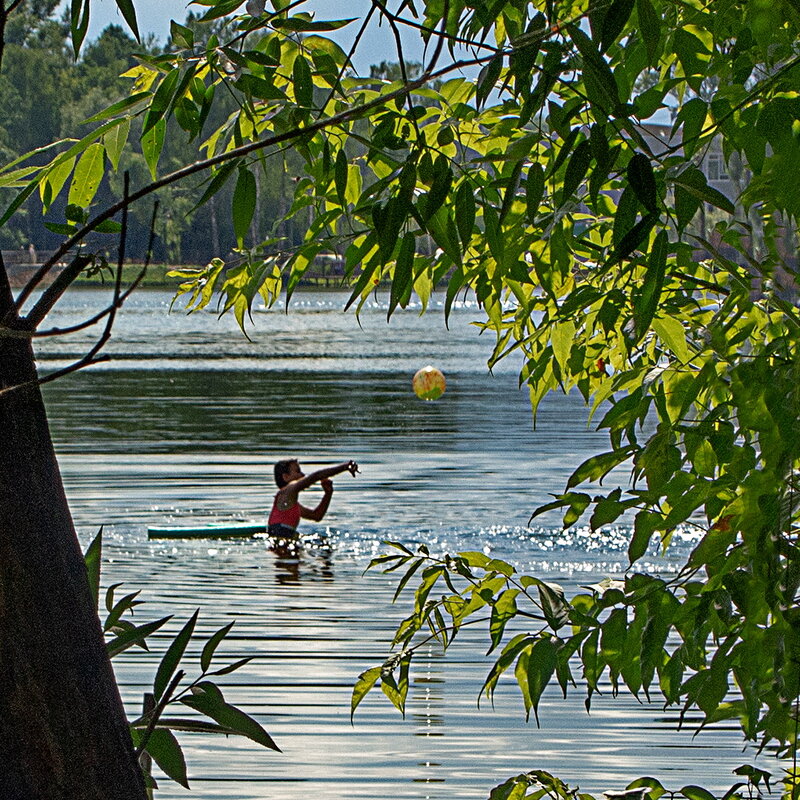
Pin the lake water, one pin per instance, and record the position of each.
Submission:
(183, 426)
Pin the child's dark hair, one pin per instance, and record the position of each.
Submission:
(282, 467)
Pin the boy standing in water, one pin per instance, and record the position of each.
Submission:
(286, 509)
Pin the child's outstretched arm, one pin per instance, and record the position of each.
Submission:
(289, 493)
(324, 473)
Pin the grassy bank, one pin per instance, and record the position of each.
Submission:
(156, 276)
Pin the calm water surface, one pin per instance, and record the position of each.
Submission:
(184, 425)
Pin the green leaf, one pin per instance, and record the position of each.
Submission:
(109, 226)
(430, 203)
(614, 22)
(686, 206)
(187, 725)
(54, 179)
(162, 99)
(696, 793)
(167, 753)
(507, 657)
(401, 282)
(654, 785)
(693, 182)
(592, 665)
(169, 663)
(302, 82)
(443, 230)
(88, 174)
(244, 204)
(128, 12)
(607, 510)
(119, 107)
(366, 680)
(152, 144)
(74, 213)
(554, 604)
(133, 636)
(650, 29)
(691, 118)
(576, 170)
(601, 85)
(232, 667)
(645, 308)
(397, 690)
(259, 88)
(541, 666)
(79, 23)
(340, 173)
(672, 334)
(93, 557)
(534, 191)
(416, 564)
(625, 215)
(563, 337)
(61, 229)
(301, 24)
(597, 467)
(211, 646)
(219, 9)
(574, 500)
(207, 699)
(465, 212)
(645, 525)
(487, 79)
(115, 141)
(218, 180)
(642, 180)
(503, 610)
(181, 35)
(445, 136)
(634, 237)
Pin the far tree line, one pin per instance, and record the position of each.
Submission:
(46, 95)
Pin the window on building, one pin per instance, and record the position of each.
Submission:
(716, 167)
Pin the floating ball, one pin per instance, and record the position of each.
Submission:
(429, 383)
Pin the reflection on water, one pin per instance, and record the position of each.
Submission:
(185, 426)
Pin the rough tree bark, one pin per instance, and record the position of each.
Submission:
(63, 732)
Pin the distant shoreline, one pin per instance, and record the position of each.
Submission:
(156, 277)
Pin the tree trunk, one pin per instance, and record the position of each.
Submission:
(63, 732)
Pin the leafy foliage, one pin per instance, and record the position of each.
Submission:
(691, 640)
(153, 731)
(544, 186)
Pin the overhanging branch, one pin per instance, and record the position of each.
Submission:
(45, 303)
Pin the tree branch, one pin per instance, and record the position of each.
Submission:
(90, 359)
(119, 299)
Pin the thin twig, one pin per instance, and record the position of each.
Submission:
(348, 59)
(120, 262)
(156, 713)
(91, 358)
(118, 302)
(81, 325)
(59, 373)
(400, 55)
